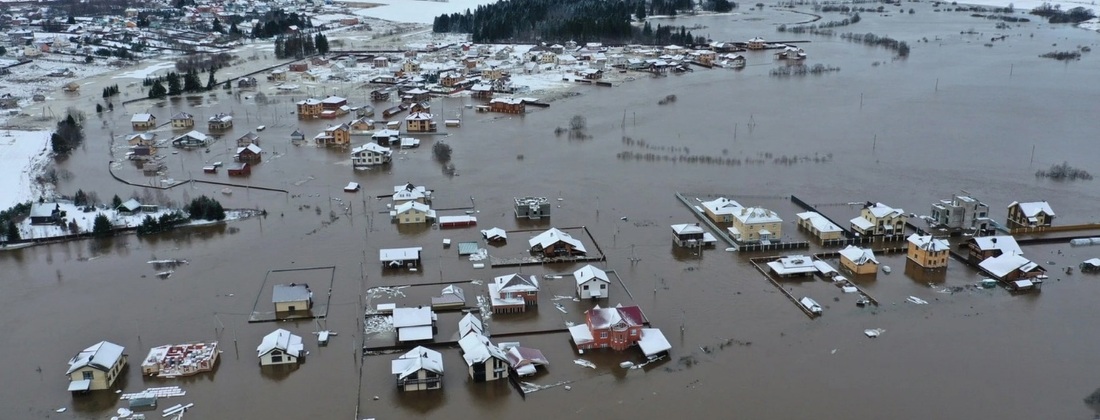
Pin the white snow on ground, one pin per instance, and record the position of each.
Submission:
(1027, 5)
(86, 220)
(415, 10)
(142, 73)
(22, 155)
(1091, 24)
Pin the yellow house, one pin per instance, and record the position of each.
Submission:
(879, 219)
(755, 224)
(1032, 214)
(858, 260)
(291, 297)
(413, 212)
(928, 252)
(721, 210)
(819, 226)
(96, 367)
(310, 108)
(143, 121)
(183, 120)
(339, 135)
(492, 73)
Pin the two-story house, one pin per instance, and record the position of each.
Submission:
(927, 252)
(721, 209)
(370, 154)
(755, 224)
(513, 293)
(1032, 214)
(96, 367)
(984, 247)
(309, 108)
(412, 212)
(418, 370)
(182, 120)
(143, 121)
(555, 243)
(877, 219)
(961, 212)
(618, 328)
(338, 135)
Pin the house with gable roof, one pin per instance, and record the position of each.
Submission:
(280, 348)
(1031, 214)
(858, 260)
(617, 328)
(983, 247)
(877, 219)
(721, 209)
(592, 282)
(418, 370)
(96, 367)
(485, 360)
(513, 293)
(755, 224)
(555, 243)
(927, 251)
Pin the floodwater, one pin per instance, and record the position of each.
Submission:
(955, 115)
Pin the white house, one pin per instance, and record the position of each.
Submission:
(470, 324)
(370, 154)
(485, 361)
(414, 324)
(96, 367)
(280, 348)
(592, 283)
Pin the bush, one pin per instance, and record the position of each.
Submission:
(205, 208)
(101, 226)
(442, 152)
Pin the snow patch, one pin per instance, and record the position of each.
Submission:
(23, 155)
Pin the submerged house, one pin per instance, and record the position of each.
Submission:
(858, 260)
(400, 257)
(793, 265)
(691, 235)
(291, 297)
(513, 293)
(414, 324)
(961, 212)
(96, 367)
(1012, 268)
(219, 121)
(485, 360)
(1033, 214)
(877, 219)
(191, 139)
(755, 224)
(143, 121)
(525, 361)
(983, 247)
(470, 324)
(592, 283)
(280, 348)
(618, 328)
(819, 226)
(532, 207)
(452, 296)
(721, 209)
(555, 243)
(418, 370)
(183, 120)
(927, 252)
(370, 154)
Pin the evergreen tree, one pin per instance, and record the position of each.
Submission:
(174, 87)
(191, 82)
(12, 232)
(98, 108)
(233, 30)
(116, 201)
(157, 91)
(217, 26)
(101, 226)
(211, 82)
(639, 11)
(80, 198)
(321, 41)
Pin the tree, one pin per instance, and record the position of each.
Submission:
(116, 201)
(191, 82)
(639, 10)
(98, 108)
(101, 226)
(12, 232)
(68, 136)
(3, 50)
(174, 87)
(72, 20)
(321, 41)
(442, 152)
(211, 81)
(217, 26)
(205, 208)
(233, 30)
(80, 198)
(157, 91)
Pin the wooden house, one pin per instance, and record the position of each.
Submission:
(984, 247)
(370, 154)
(247, 82)
(419, 120)
(380, 62)
(385, 137)
(297, 135)
(1010, 268)
(513, 293)
(592, 283)
(858, 260)
(293, 297)
(309, 108)
(1032, 214)
(96, 367)
(555, 243)
(692, 235)
(219, 122)
(927, 252)
(141, 139)
(46, 213)
(482, 91)
(241, 169)
(756, 43)
(249, 138)
(143, 121)
(182, 120)
(333, 103)
(485, 361)
(451, 79)
(877, 219)
(191, 139)
(418, 370)
(142, 152)
(338, 135)
(379, 95)
(277, 75)
(280, 348)
(415, 95)
(507, 105)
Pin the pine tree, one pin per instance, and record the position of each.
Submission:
(12, 232)
(157, 91)
(217, 26)
(174, 87)
(102, 225)
(321, 42)
(211, 82)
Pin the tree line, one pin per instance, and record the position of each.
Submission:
(1055, 14)
(300, 45)
(577, 20)
(188, 82)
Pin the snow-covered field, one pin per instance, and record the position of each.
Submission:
(86, 220)
(150, 70)
(416, 11)
(1091, 24)
(29, 79)
(23, 154)
(1026, 5)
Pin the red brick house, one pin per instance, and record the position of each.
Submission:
(513, 293)
(617, 328)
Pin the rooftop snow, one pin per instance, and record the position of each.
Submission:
(101, 355)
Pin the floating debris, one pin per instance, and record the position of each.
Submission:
(626, 365)
(167, 263)
(165, 274)
(873, 332)
(585, 363)
(561, 308)
(159, 392)
(528, 387)
(916, 300)
(60, 410)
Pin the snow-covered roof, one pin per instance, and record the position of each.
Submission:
(282, 340)
(371, 147)
(590, 272)
(858, 255)
(1003, 264)
(1006, 244)
(290, 293)
(722, 206)
(130, 205)
(194, 135)
(476, 348)
(252, 147)
(412, 317)
(928, 243)
(141, 118)
(552, 236)
(310, 101)
(793, 264)
(412, 205)
(333, 100)
(603, 318)
(101, 356)
(399, 254)
(653, 342)
(687, 228)
(1033, 209)
(470, 324)
(385, 133)
(416, 359)
(756, 215)
(182, 116)
(862, 223)
(462, 218)
(516, 283)
(520, 357)
(581, 334)
(494, 233)
(880, 210)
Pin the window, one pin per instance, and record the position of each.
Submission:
(603, 334)
(276, 359)
(603, 286)
(586, 287)
(87, 375)
(633, 333)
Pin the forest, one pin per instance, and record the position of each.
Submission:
(557, 21)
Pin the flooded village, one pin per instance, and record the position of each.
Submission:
(417, 225)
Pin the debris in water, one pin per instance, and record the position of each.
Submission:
(873, 332)
(626, 365)
(916, 300)
(165, 274)
(834, 350)
(560, 308)
(61, 410)
(585, 363)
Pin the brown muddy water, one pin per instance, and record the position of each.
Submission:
(955, 115)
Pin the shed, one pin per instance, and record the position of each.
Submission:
(241, 169)
(457, 221)
(400, 257)
(467, 248)
(291, 297)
